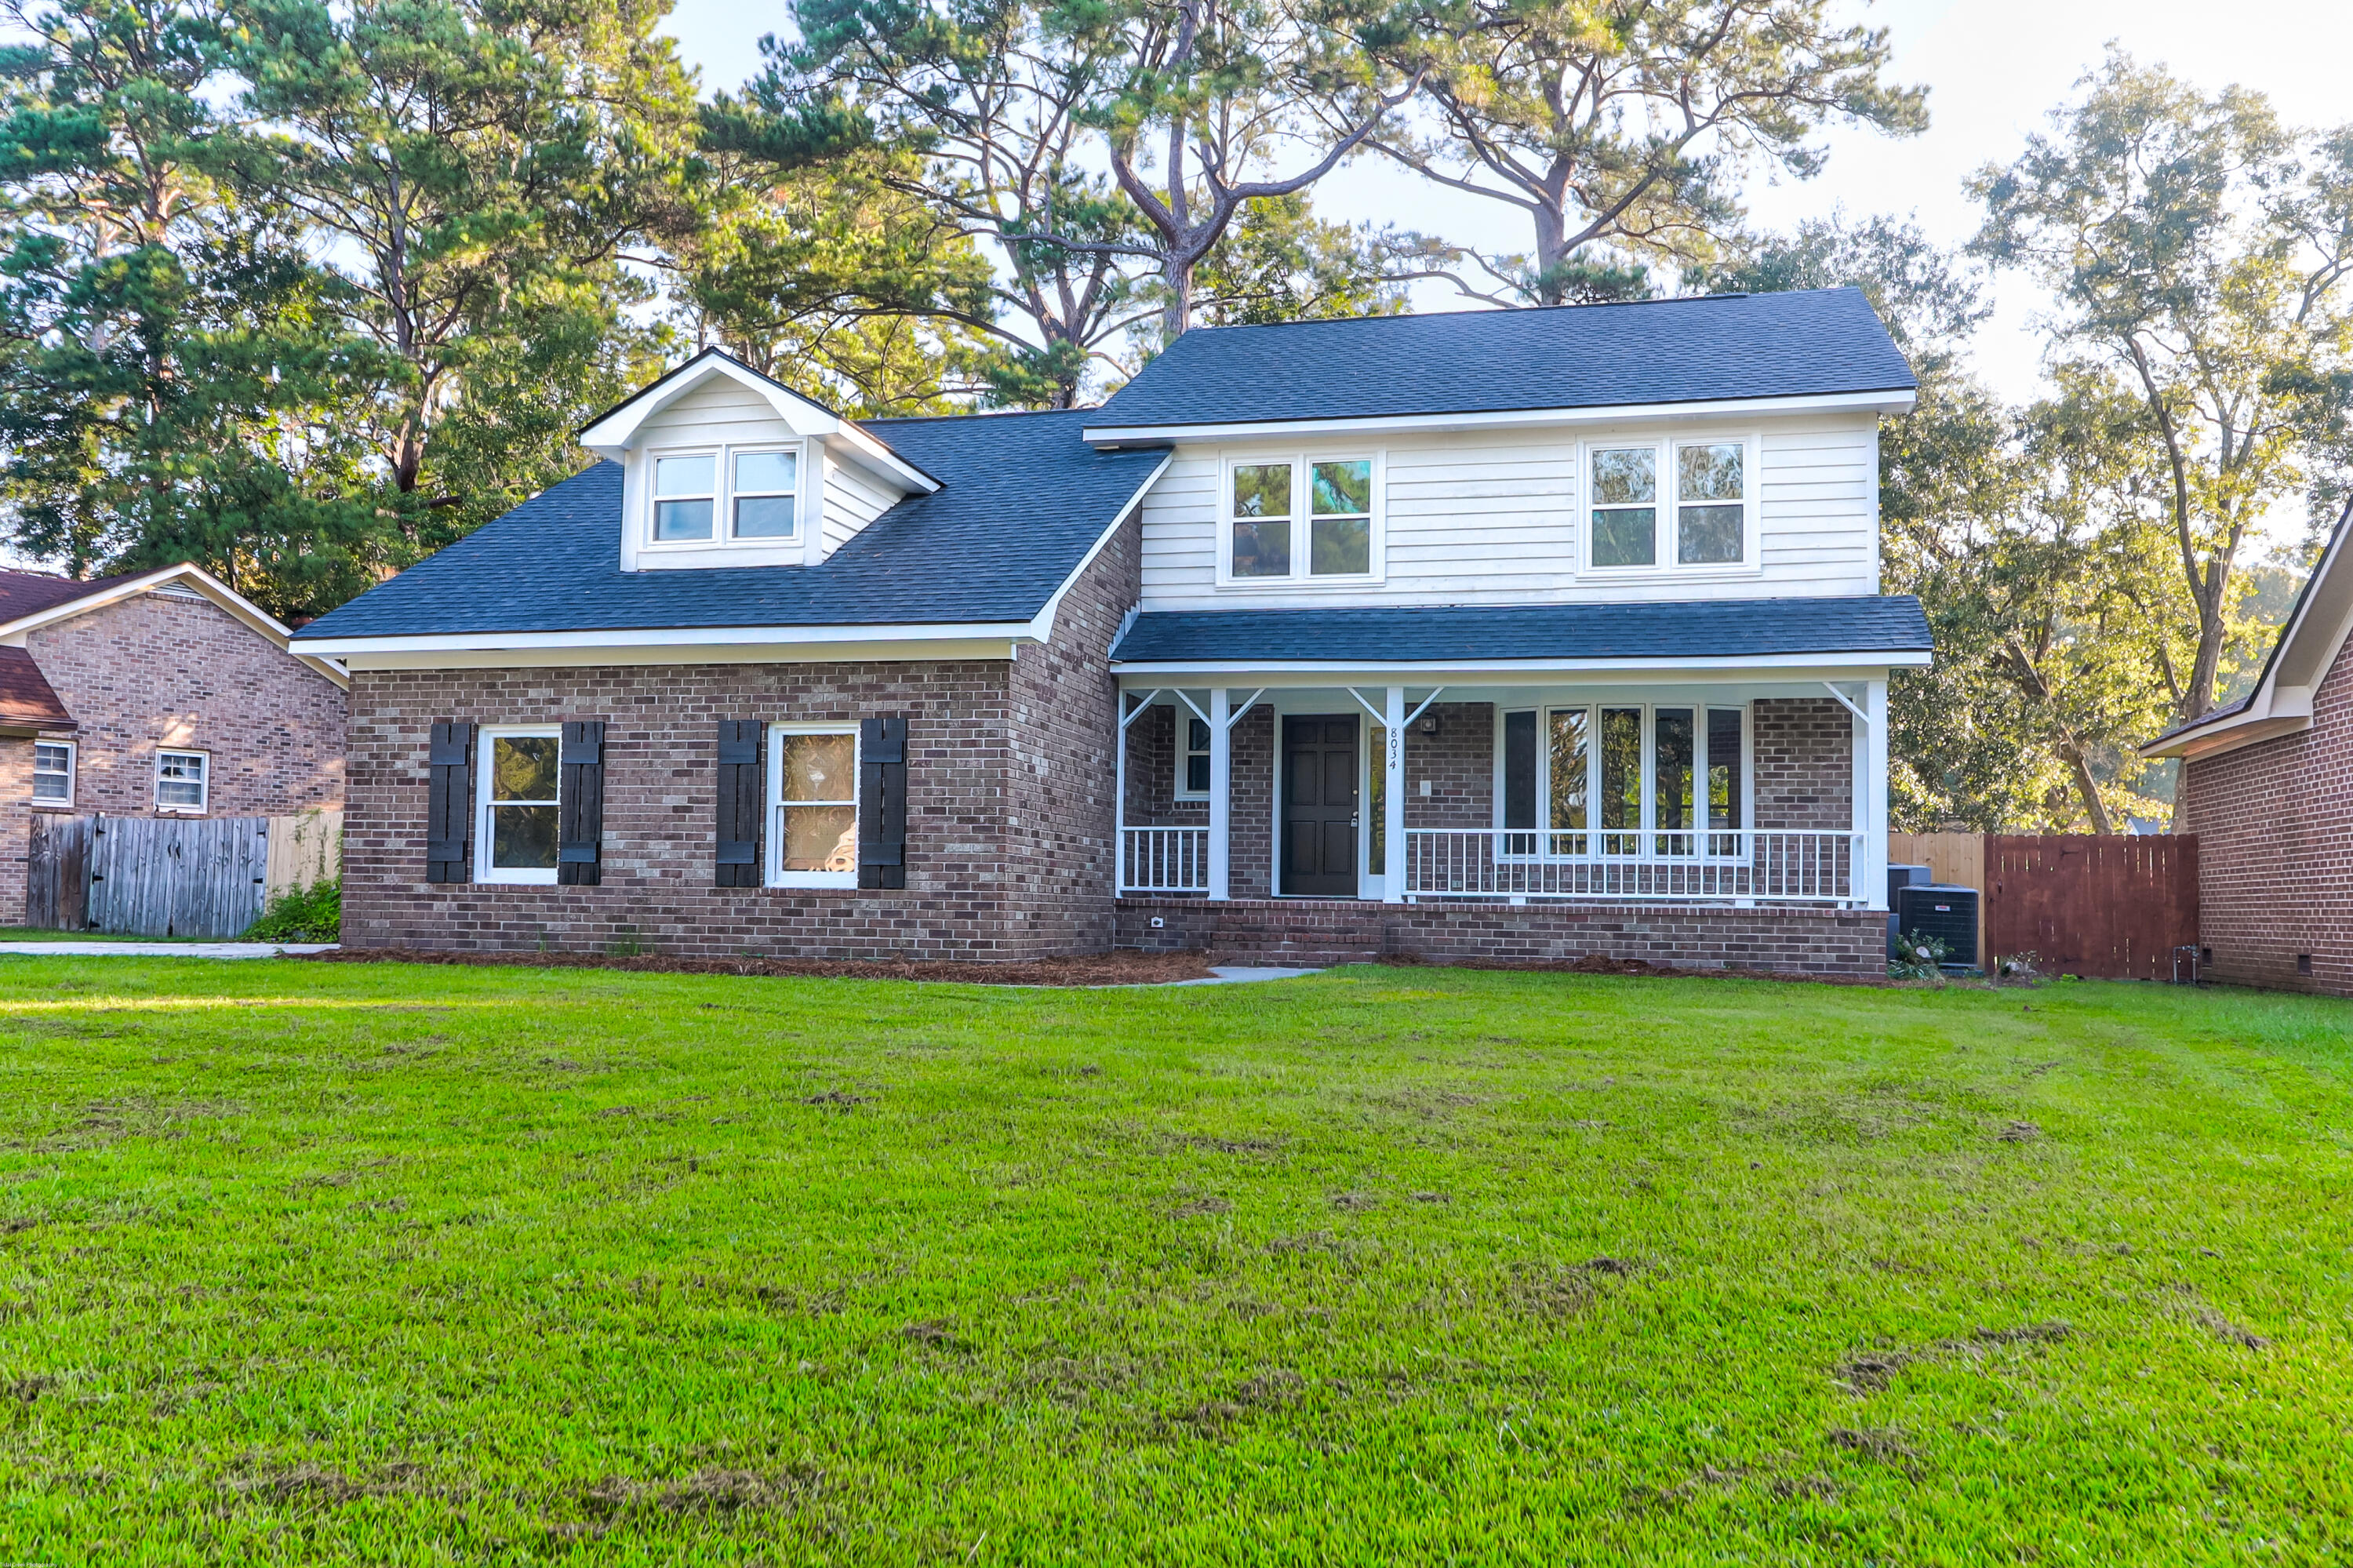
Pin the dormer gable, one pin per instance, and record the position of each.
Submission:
(726, 467)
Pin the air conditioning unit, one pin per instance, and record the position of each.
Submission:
(1900, 877)
(1940, 909)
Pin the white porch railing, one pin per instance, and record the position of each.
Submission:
(1748, 864)
(1164, 860)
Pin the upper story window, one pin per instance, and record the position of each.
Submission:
(1300, 519)
(182, 780)
(725, 496)
(1671, 505)
(53, 773)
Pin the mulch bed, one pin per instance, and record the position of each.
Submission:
(1118, 968)
(1100, 969)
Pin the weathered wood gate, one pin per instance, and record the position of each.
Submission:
(2110, 906)
(148, 877)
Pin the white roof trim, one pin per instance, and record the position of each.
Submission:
(204, 583)
(679, 637)
(1889, 402)
(2308, 649)
(610, 436)
(1042, 626)
(1852, 666)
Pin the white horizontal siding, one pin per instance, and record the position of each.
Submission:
(1493, 517)
(851, 501)
(718, 410)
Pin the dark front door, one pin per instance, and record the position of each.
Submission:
(1319, 805)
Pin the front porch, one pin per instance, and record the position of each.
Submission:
(1715, 795)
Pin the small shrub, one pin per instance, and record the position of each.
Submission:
(1918, 956)
(312, 914)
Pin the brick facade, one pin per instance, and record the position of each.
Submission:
(1791, 940)
(173, 669)
(1008, 802)
(2275, 828)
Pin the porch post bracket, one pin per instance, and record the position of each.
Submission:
(1187, 698)
(1235, 716)
(1831, 687)
(1141, 707)
(1378, 717)
(1434, 695)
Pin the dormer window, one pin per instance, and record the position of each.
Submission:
(765, 489)
(751, 492)
(683, 492)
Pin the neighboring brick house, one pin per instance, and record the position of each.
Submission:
(1526, 634)
(2266, 786)
(156, 694)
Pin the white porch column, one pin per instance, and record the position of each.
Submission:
(1873, 860)
(1221, 794)
(1393, 801)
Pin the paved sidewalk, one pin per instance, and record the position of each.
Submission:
(162, 949)
(1244, 974)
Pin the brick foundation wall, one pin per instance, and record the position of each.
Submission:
(2274, 826)
(1304, 931)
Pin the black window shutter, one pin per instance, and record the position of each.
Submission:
(883, 803)
(580, 803)
(742, 805)
(449, 804)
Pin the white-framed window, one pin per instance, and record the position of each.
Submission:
(1192, 756)
(53, 772)
(518, 795)
(709, 496)
(813, 805)
(182, 782)
(1684, 506)
(1606, 779)
(1300, 519)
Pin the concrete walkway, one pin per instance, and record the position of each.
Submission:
(1243, 974)
(162, 949)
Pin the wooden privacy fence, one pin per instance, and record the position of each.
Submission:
(2108, 906)
(171, 876)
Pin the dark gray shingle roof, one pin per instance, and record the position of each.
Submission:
(1890, 623)
(1573, 356)
(1022, 499)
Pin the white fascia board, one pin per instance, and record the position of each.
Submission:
(858, 447)
(610, 436)
(683, 639)
(653, 655)
(1042, 626)
(1887, 402)
(235, 604)
(1301, 672)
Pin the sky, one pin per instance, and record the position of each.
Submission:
(1994, 69)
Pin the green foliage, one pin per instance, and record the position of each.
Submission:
(2199, 251)
(1918, 956)
(331, 1263)
(312, 914)
(1624, 129)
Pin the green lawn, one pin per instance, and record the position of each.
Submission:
(309, 1263)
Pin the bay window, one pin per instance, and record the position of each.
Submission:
(1653, 781)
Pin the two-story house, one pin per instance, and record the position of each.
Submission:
(1532, 634)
